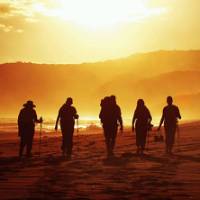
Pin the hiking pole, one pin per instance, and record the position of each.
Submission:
(77, 131)
(178, 137)
(40, 139)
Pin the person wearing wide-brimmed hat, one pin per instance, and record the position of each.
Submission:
(26, 126)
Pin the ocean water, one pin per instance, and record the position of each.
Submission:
(84, 126)
(10, 125)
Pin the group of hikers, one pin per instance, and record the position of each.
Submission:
(111, 120)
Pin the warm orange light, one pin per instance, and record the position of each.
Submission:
(95, 14)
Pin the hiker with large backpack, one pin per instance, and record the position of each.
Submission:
(26, 127)
(141, 124)
(170, 117)
(110, 116)
(67, 115)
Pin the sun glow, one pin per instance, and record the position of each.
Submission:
(100, 13)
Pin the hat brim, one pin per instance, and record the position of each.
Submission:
(31, 105)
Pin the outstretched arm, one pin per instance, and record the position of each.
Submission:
(57, 120)
(36, 119)
(121, 123)
(120, 119)
(133, 122)
(161, 121)
(76, 116)
(178, 113)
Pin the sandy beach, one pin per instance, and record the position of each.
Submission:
(80, 65)
(90, 175)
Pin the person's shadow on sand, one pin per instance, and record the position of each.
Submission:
(55, 160)
(119, 161)
(9, 160)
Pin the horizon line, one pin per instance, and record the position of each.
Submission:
(105, 60)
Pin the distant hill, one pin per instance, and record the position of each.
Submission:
(175, 82)
(47, 85)
(155, 89)
(151, 76)
(149, 64)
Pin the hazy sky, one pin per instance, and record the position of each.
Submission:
(74, 31)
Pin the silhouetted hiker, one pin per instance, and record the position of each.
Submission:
(141, 123)
(26, 125)
(67, 115)
(170, 117)
(110, 116)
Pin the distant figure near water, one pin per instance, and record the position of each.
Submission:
(67, 115)
(170, 118)
(26, 126)
(141, 123)
(110, 116)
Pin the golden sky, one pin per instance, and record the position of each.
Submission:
(74, 31)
